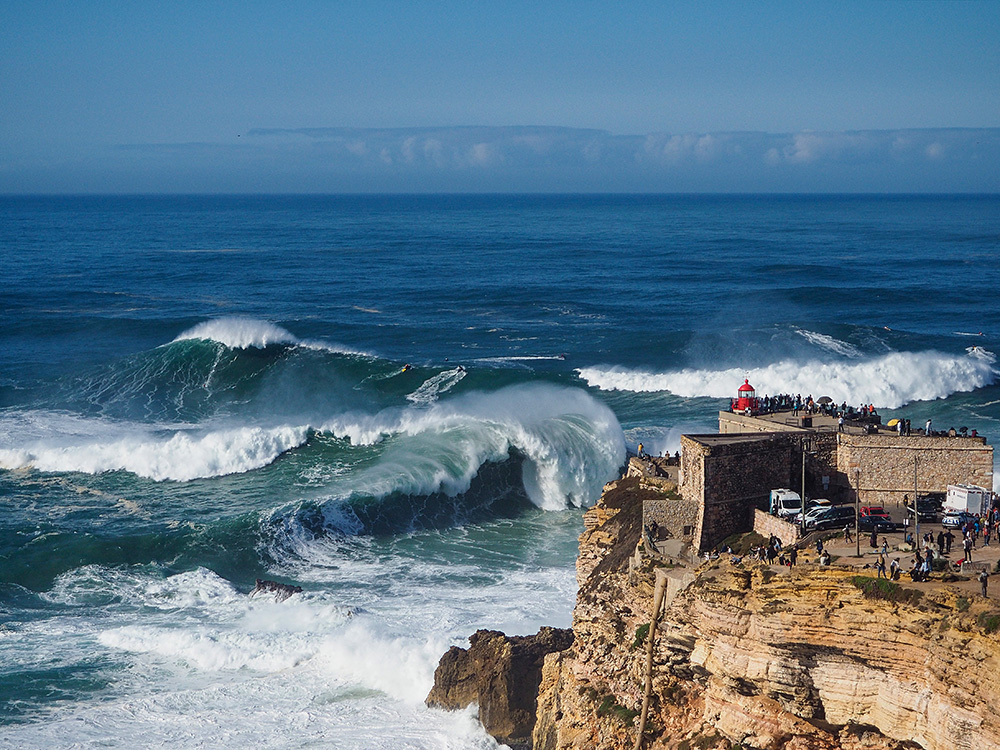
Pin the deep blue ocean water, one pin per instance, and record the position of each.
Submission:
(400, 403)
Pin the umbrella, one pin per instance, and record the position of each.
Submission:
(824, 400)
(892, 422)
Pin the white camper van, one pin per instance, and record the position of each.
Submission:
(785, 503)
(968, 498)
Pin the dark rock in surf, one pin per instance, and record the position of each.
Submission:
(501, 673)
(281, 591)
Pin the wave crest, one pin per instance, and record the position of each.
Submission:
(239, 333)
(249, 333)
(888, 381)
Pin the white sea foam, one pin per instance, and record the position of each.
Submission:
(239, 333)
(169, 454)
(433, 387)
(307, 673)
(829, 343)
(888, 381)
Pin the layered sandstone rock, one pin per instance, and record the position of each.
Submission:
(764, 657)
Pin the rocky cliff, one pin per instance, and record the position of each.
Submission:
(754, 656)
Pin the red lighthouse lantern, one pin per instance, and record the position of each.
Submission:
(746, 399)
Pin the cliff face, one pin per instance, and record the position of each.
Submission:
(763, 657)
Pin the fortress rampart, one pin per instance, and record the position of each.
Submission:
(883, 468)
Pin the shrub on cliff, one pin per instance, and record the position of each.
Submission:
(881, 588)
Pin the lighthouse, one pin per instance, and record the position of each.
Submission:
(746, 399)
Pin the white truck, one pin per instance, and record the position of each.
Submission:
(966, 497)
(785, 503)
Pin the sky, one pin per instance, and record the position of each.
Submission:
(381, 96)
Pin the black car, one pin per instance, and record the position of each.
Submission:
(928, 507)
(836, 517)
(878, 524)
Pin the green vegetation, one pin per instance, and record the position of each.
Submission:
(881, 588)
(610, 707)
(989, 622)
(962, 604)
(641, 634)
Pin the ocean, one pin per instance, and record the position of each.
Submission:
(401, 404)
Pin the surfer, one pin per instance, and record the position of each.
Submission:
(407, 368)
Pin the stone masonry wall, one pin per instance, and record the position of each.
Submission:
(883, 465)
(728, 479)
(679, 516)
(731, 424)
(765, 524)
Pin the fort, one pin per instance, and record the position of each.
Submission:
(721, 479)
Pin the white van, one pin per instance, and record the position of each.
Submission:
(785, 503)
(966, 498)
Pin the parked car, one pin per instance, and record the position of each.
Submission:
(868, 524)
(933, 498)
(811, 514)
(835, 517)
(927, 508)
(811, 505)
(956, 520)
(874, 517)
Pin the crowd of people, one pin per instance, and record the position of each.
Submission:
(926, 551)
(797, 404)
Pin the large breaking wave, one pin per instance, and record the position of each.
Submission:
(888, 381)
(233, 396)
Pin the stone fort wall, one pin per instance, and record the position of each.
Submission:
(727, 478)
(883, 468)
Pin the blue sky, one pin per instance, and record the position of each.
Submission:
(405, 96)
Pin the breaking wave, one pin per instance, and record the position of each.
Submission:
(888, 381)
(179, 455)
(571, 445)
(248, 333)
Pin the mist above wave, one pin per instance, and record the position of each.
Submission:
(888, 381)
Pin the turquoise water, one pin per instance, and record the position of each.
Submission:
(401, 404)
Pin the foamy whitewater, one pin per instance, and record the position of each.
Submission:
(402, 405)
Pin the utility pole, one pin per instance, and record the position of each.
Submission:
(857, 509)
(802, 522)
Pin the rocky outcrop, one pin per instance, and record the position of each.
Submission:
(501, 674)
(753, 656)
